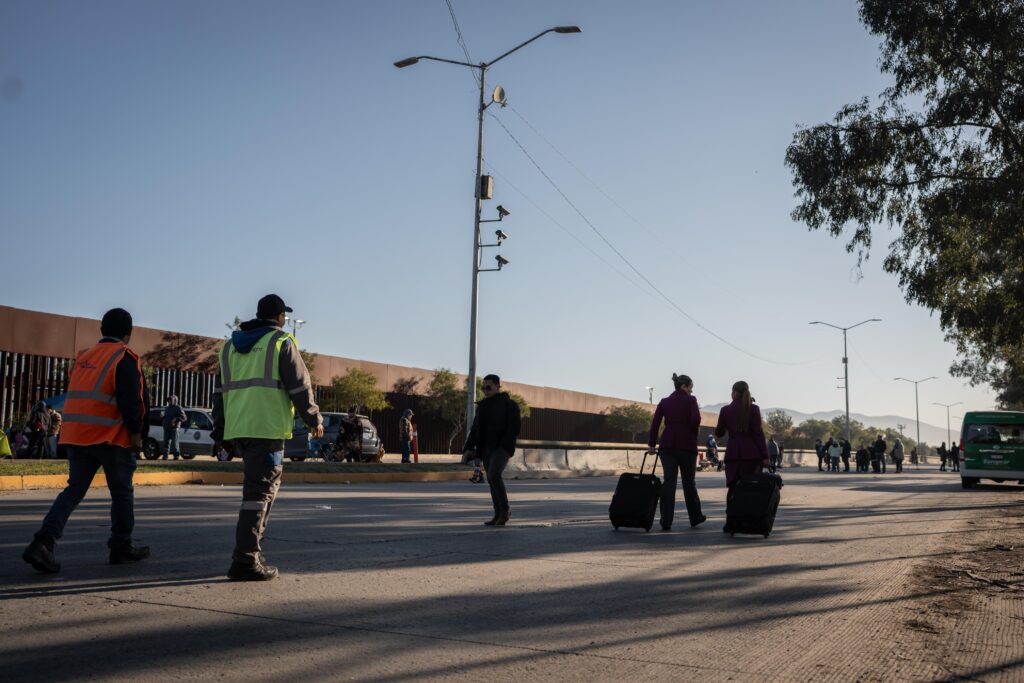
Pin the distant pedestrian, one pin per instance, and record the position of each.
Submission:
(52, 432)
(263, 383)
(847, 450)
(174, 416)
(677, 449)
(835, 452)
(746, 453)
(711, 452)
(897, 455)
(492, 438)
(863, 457)
(350, 439)
(37, 426)
(773, 453)
(782, 455)
(405, 434)
(819, 449)
(878, 454)
(913, 456)
(104, 425)
(954, 457)
(943, 454)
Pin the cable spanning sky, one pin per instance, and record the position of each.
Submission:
(183, 158)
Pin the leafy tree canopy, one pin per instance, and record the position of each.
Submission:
(941, 159)
(356, 388)
(633, 419)
(779, 423)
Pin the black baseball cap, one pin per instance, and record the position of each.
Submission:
(271, 306)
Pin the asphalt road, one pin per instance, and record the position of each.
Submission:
(396, 582)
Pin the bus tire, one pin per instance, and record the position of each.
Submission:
(968, 482)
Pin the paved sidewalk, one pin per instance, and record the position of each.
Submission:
(396, 582)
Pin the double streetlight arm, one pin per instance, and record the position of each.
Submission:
(917, 411)
(409, 61)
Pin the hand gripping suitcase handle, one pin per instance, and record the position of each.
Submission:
(643, 463)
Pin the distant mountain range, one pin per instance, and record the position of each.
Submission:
(930, 434)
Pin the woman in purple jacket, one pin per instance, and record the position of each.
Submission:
(746, 453)
(678, 451)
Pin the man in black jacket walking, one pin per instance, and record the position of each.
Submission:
(493, 440)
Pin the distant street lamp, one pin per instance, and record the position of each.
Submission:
(499, 98)
(650, 394)
(846, 363)
(296, 324)
(947, 406)
(917, 410)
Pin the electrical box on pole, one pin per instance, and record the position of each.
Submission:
(486, 189)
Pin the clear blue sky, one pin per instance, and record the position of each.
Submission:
(183, 158)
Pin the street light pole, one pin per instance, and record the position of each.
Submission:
(917, 409)
(949, 438)
(650, 394)
(474, 296)
(846, 363)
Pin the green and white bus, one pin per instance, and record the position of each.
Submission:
(992, 447)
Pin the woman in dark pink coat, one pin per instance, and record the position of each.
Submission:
(746, 453)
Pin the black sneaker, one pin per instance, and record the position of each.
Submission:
(251, 572)
(703, 518)
(128, 553)
(39, 554)
(499, 519)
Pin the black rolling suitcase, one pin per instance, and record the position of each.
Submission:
(636, 498)
(751, 505)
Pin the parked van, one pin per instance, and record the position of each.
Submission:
(194, 437)
(992, 447)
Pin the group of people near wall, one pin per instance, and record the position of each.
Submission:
(36, 438)
(833, 451)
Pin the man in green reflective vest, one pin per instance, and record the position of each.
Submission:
(262, 384)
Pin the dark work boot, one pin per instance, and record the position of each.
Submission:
(39, 554)
(499, 519)
(128, 553)
(259, 571)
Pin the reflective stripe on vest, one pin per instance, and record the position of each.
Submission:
(91, 415)
(255, 403)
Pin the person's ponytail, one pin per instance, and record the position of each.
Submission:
(680, 381)
(743, 390)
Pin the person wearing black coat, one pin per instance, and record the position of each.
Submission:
(847, 450)
(492, 438)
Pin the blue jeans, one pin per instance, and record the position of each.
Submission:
(171, 442)
(406, 449)
(83, 462)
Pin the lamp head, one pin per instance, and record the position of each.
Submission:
(500, 234)
(567, 29)
(502, 211)
(407, 62)
(502, 261)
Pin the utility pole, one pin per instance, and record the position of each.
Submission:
(846, 363)
(498, 97)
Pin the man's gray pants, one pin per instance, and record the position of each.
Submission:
(263, 460)
(494, 463)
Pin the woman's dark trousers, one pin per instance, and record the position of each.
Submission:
(674, 461)
(495, 462)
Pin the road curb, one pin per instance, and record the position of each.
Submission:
(24, 482)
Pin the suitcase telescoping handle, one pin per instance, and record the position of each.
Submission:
(643, 463)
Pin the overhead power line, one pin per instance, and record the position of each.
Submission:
(628, 263)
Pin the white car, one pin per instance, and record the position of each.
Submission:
(194, 437)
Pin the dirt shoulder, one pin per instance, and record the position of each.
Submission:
(963, 618)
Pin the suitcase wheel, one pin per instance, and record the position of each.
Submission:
(616, 528)
(766, 535)
(647, 529)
